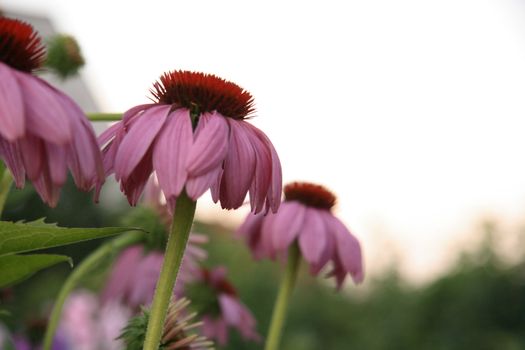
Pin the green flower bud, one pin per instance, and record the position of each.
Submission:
(64, 57)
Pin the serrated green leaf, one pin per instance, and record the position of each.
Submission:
(38, 223)
(16, 268)
(25, 237)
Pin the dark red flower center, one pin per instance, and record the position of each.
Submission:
(20, 46)
(201, 92)
(310, 195)
(221, 286)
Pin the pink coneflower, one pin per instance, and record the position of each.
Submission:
(135, 273)
(305, 217)
(221, 308)
(195, 137)
(43, 132)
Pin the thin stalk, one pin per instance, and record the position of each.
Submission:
(283, 298)
(6, 180)
(177, 240)
(85, 267)
(104, 117)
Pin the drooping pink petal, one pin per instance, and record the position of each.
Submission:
(109, 152)
(275, 188)
(210, 145)
(134, 184)
(84, 157)
(237, 315)
(263, 170)
(230, 309)
(12, 119)
(215, 188)
(239, 167)
(338, 271)
(247, 326)
(10, 153)
(45, 114)
(251, 225)
(289, 221)
(251, 229)
(43, 185)
(122, 274)
(171, 151)
(109, 133)
(215, 329)
(134, 111)
(33, 154)
(196, 186)
(312, 238)
(138, 140)
(348, 250)
(146, 275)
(56, 157)
(266, 247)
(330, 247)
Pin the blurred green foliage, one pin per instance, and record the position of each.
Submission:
(478, 304)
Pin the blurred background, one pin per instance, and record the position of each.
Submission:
(410, 111)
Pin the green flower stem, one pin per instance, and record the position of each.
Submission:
(283, 298)
(104, 117)
(6, 180)
(177, 240)
(84, 268)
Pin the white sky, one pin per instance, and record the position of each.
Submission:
(410, 111)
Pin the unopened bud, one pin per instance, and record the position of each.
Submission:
(64, 56)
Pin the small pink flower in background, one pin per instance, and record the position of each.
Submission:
(195, 137)
(134, 275)
(42, 131)
(305, 217)
(87, 325)
(230, 313)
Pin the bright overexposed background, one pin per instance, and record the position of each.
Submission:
(411, 111)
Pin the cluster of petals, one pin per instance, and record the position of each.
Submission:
(233, 313)
(134, 275)
(229, 156)
(43, 133)
(321, 237)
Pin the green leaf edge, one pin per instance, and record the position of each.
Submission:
(53, 259)
(12, 241)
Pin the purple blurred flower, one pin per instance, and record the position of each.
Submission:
(231, 313)
(305, 218)
(87, 325)
(195, 138)
(21, 342)
(43, 132)
(135, 273)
